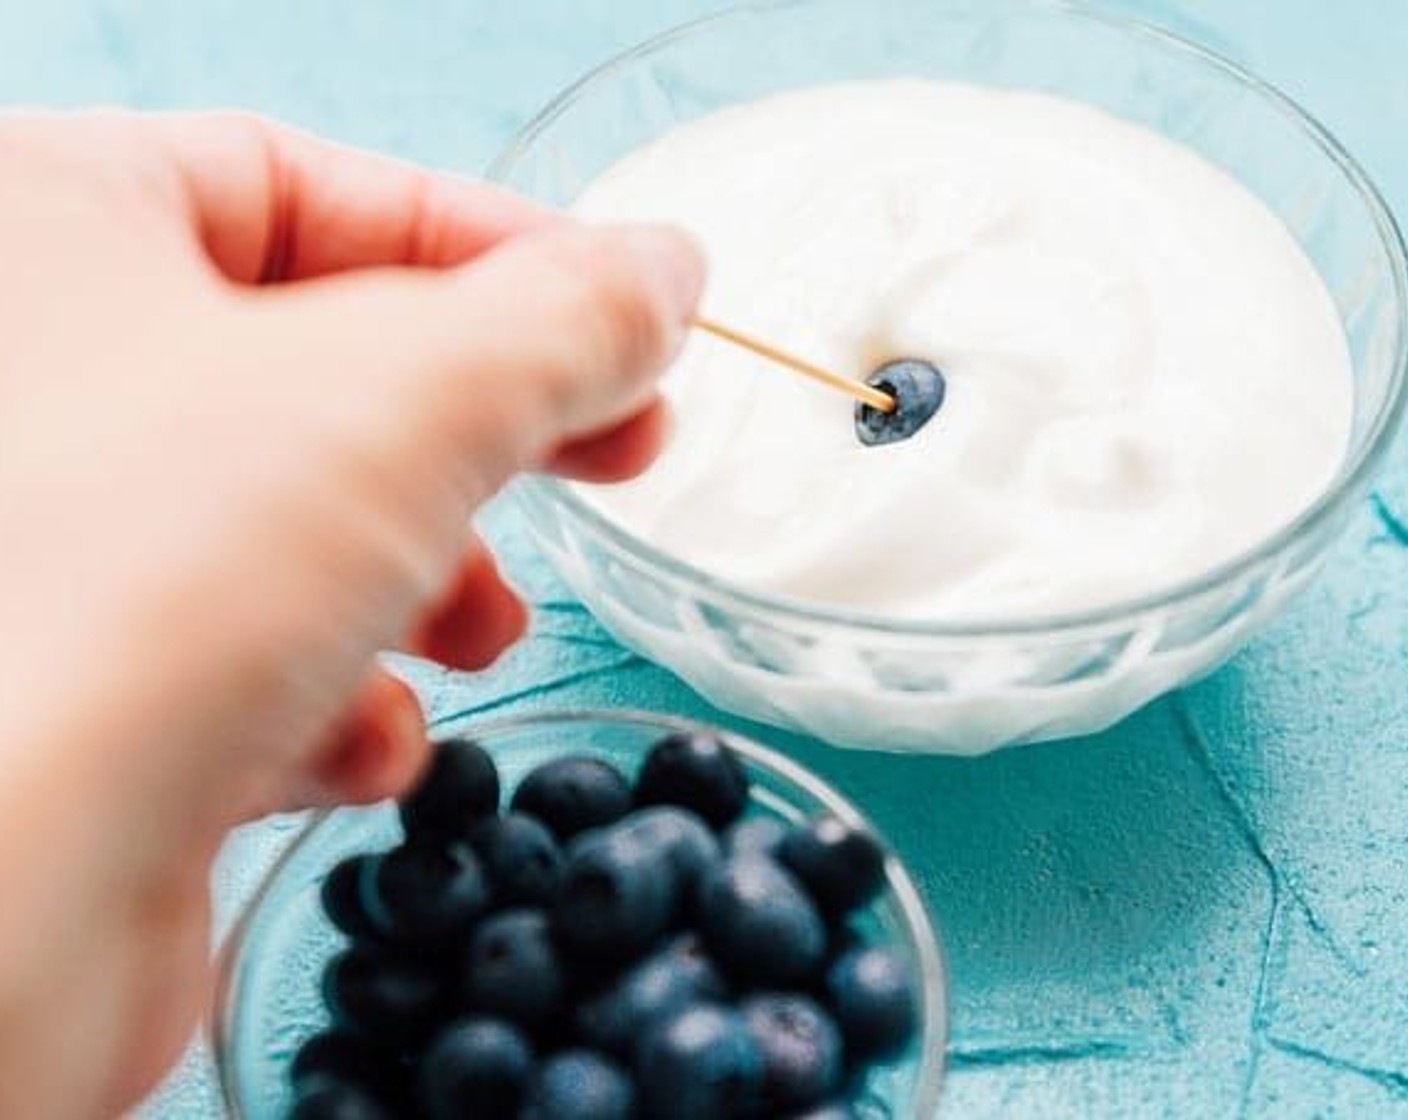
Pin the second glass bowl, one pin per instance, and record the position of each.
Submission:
(924, 685)
(269, 999)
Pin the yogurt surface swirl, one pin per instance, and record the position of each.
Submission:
(1145, 374)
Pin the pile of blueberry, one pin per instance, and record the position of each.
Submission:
(603, 951)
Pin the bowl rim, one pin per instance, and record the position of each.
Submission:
(920, 929)
(1350, 482)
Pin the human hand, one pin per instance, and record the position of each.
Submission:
(251, 389)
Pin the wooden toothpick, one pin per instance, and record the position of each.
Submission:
(876, 398)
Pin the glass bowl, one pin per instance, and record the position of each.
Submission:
(267, 998)
(924, 684)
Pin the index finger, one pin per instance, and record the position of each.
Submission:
(270, 203)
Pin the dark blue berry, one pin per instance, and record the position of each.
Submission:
(521, 857)
(460, 789)
(424, 893)
(325, 1097)
(701, 1064)
(841, 939)
(574, 793)
(692, 849)
(918, 389)
(831, 1110)
(475, 1067)
(512, 969)
(377, 1065)
(759, 924)
(341, 895)
(698, 772)
(801, 1049)
(618, 895)
(382, 995)
(653, 989)
(843, 868)
(579, 1085)
(335, 1053)
(871, 993)
(756, 836)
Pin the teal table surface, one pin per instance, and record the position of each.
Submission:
(1203, 912)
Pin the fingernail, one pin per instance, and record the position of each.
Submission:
(674, 258)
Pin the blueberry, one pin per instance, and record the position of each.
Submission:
(662, 984)
(701, 1064)
(381, 1072)
(841, 939)
(579, 1085)
(872, 996)
(521, 858)
(686, 840)
(759, 924)
(416, 893)
(574, 793)
(382, 995)
(698, 772)
(843, 868)
(341, 1055)
(381, 1066)
(918, 389)
(758, 836)
(801, 1049)
(341, 895)
(325, 1097)
(831, 1110)
(460, 788)
(618, 895)
(474, 1067)
(512, 968)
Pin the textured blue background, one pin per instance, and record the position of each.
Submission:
(1201, 913)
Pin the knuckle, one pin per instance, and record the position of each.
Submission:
(258, 132)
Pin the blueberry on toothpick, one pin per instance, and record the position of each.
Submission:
(918, 389)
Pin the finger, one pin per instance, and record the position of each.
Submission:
(477, 618)
(375, 752)
(270, 203)
(471, 375)
(620, 453)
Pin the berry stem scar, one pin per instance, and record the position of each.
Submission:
(878, 399)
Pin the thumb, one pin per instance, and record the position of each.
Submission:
(489, 367)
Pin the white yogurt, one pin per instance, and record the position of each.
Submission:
(1145, 373)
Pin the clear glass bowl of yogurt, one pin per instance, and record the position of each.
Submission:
(968, 680)
(268, 999)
